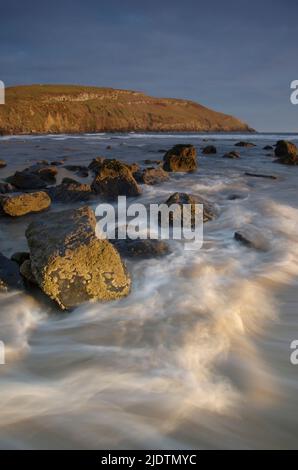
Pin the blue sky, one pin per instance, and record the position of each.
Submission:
(238, 57)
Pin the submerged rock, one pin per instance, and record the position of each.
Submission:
(16, 205)
(25, 180)
(70, 264)
(143, 249)
(6, 188)
(70, 191)
(26, 271)
(232, 154)
(115, 179)
(252, 237)
(260, 175)
(9, 275)
(2, 164)
(151, 175)
(210, 149)
(286, 152)
(184, 198)
(180, 158)
(268, 147)
(245, 144)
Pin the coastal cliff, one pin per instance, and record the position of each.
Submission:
(42, 109)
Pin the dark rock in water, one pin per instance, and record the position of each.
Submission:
(232, 155)
(9, 275)
(26, 272)
(20, 256)
(108, 147)
(96, 164)
(286, 152)
(152, 162)
(57, 163)
(25, 180)
(184, 198)
(245, 144)
(180, 158)
(6, 188)
(252, 237)
(143, 249)
(70, 191)
(2, 164)
(16, 205)
(258, 175)
(70, 264)
(268, 147)
(151, 176)
(234, 197)
(209, 150)
(79, 170)
(115, 179)
(45, 172)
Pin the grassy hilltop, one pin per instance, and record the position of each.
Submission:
(42, 109)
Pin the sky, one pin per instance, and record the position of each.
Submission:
(238, 57)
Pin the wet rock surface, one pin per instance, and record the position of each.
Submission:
(180, 158)
(16, 205)
(115, 179)
(70, 264)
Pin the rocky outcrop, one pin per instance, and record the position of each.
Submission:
(70, 191)
(151, 176)
(9, 275)
(26, 180)
(70, 264)
(2, 164)
(16, 205)
(184, 198)
(232, 155)
(180, 158)
(286, 152)
(245, 144)
(41, 109)
(209, 150)
(114, 179)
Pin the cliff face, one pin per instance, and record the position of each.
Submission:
(40, 109)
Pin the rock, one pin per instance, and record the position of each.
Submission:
(25, 180)
(108, 147)
(16, 205)
(70, 191)
(9, 275)
(245, 144)
(151, 176)
(268, 147)
(57, 163)
(26, 272)
(79, 170)
(44, 171)
(183, 198)
(133, 167)
(210, 149)
(152, 162)
(181, 157)
(286, 152)
(115, 179)
(70, 264)
(96, 164)
(2, 164)
(20, 256)
(232, 155)
(6, 188)
(258, 175)
(143, 249)
(252, 237)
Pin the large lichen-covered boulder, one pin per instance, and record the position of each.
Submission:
(181, 157)
(17, 205)
(286, 152)
(115, 179)
(10, 277)
(70, 264)
(192, 199)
